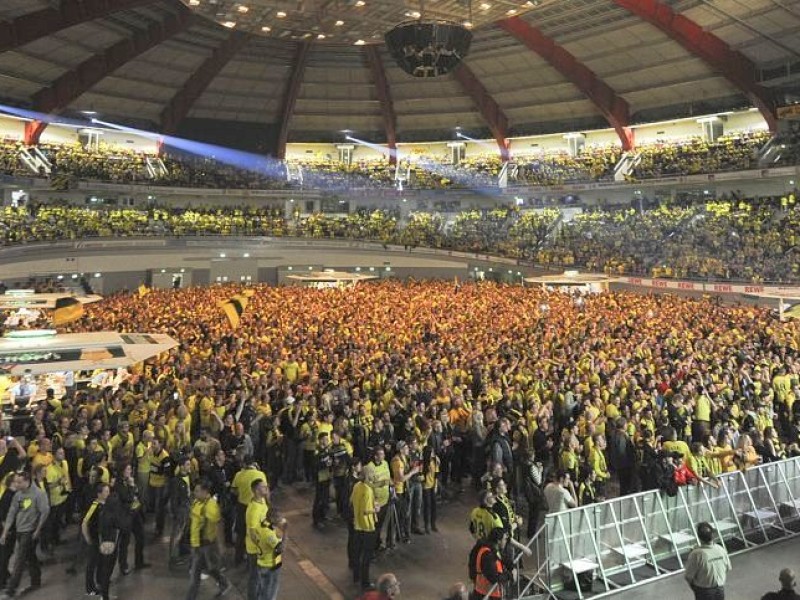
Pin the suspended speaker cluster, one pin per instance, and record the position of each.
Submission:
(428, 48)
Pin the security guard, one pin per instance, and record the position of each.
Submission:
(707, 566)
(486, 567)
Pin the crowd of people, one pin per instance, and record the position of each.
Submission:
(731, 152)
(387, 398)
(595, 163)
(117, 164)
(742, 240)
(753, 240)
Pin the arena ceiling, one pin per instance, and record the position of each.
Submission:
(535, 66)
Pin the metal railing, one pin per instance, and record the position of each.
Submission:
(602, 548)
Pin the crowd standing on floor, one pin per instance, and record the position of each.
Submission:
(388, 398)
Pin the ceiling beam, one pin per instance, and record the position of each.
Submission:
(298, 69)
(40, 23)
(384, 94)
(739, 70)
(75, 82)
(492, 114)
(182, 102)
(611, 105)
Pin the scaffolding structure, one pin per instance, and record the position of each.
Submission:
(596, 550)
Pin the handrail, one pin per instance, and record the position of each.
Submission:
(749, 508)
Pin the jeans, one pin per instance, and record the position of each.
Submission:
(268, 583)
(364, 548)
(414, 510)
(205, 558)
(159, 497)
(5, 556)
(240, 531)
(180, 519)
(26, 557)
(322, 499)
(715, 593)
(252, 577)
(429, 508)
(137, 529)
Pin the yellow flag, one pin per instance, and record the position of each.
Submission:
(67, 310)
(143, 291)
(233, 309)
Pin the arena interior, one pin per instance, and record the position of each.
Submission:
(399, 299)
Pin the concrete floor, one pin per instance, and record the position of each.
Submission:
(315, 565)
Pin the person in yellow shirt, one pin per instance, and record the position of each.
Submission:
(160, 471)
(365, 512)
(59, 487)
(430, 477)
(205, 522)
(257, 513)
(673, 444)
(143, 454)
(270, 557)
(377, 475)
(597, 462)
(242, 486)
(482, 519)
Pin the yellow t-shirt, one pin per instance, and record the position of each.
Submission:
(378, 478)
(242, 483)
(269, 548)
(203, 519)
(362, 499)
(256, 512)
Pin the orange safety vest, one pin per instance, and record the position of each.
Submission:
(483, 585)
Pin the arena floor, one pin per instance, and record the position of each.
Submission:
(316, 566)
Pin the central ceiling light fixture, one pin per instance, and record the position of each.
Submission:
(429, 47)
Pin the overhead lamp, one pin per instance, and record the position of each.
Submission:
(467, 24)
(194, 2)
(359, 43)
(280, 14)
(511, 12)
(266, 29)
(413, 14)
(339, 23)
(360, 3)
(484, 6)
(229, 24)
(321, 36)
(242, 8)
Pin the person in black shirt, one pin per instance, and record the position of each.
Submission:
(131, 520)
(8, 549)
(90, 529)
(11, 455)
(786, 592)
(219, 475)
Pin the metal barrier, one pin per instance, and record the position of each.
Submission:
(596, 550)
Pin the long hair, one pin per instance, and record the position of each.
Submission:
(427, 455)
